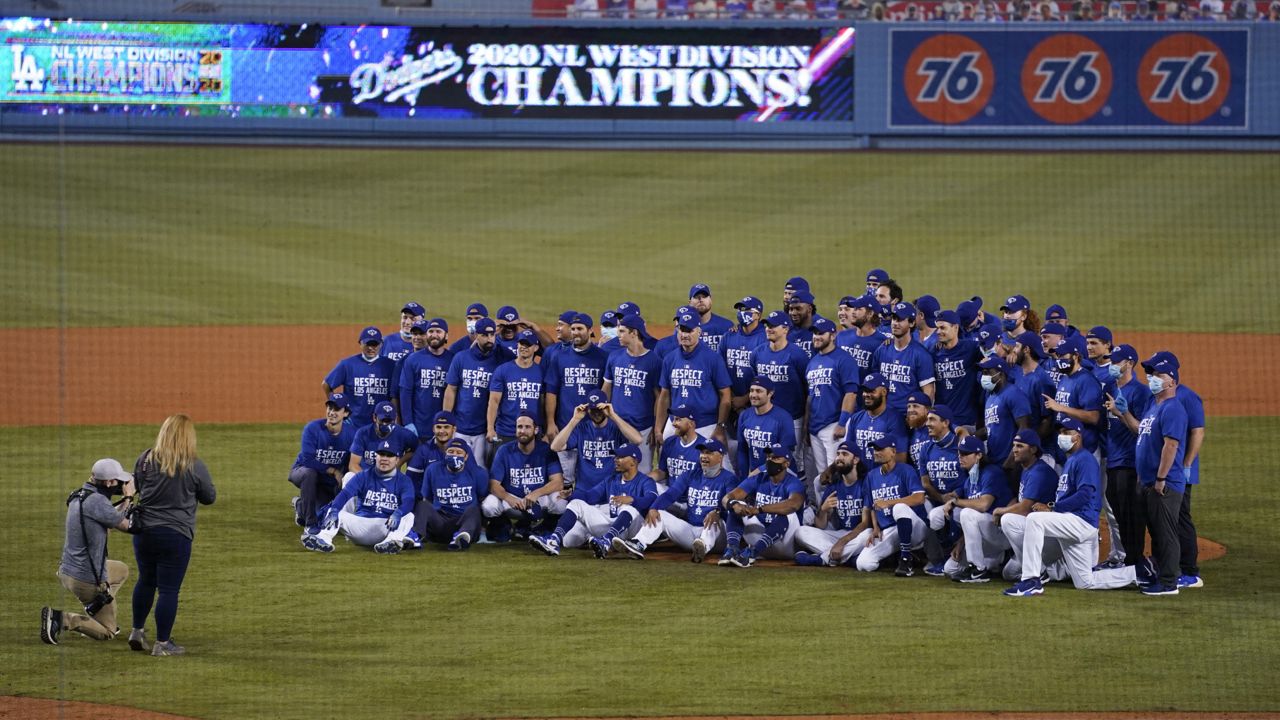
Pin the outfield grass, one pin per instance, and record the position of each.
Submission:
(275, 631)
(160, 235)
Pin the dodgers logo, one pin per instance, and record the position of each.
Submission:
(1184, 79)
(949, 78)
(1066, 79)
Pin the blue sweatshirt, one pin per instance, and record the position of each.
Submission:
(640, 489)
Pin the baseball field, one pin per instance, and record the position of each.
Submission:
(225, 281)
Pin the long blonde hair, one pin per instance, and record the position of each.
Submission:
(175, 448)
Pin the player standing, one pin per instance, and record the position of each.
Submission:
(365, 378)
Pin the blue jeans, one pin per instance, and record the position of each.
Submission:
(162, 555)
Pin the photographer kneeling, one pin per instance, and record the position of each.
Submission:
(85, 570)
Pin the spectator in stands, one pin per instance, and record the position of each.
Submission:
(1020, 11)
(1212, 10)
(987, 11)
(1082, 11)
(1142, 12)
(1115, 12)
(966, 13)
(855, 9)
(763, 8)
(704, 9)
(1243, 10)
(677, 10)
(797, 10)
(646, 9)
(1273, 12)
(913, 15)
(1048, 12)
(735, 9)
(951, 10)
(878, 12)
(826, 9)
(584, 9)
(616, 9)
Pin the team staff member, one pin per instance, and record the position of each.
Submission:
(171, 480)
(693, 375)
(609, 332)
(631, 384)
(1079, 395)
(904, 362)
(1130, 402)
(1160, 452)
(515, 389)
(714, 327)
(318, 470)
(365, 378)
(85, 570)
(466, 392)
(422, 377)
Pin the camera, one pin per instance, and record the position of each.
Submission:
(99, 601)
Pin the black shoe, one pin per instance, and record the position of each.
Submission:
(50, 625)
(980, 576)
(905, 567)
(965, 573)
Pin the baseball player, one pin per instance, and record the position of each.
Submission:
(452, 493)
(1159, 455)
(510, 324)
(876, 420)
(943, 481)
(927, 308)
(598, 514)
(764, 512)
(431, 447)
(422, 376)
(1005, 411)
(918, 405)
(563, 339)
(1017, 317)
(609, 332)
(695, 376)
(631, 383)
(475, 311)
(895, 501)
(1051, 336)
(714, 327)
(417, 342)
(904, 363)
(524, 483)
(875, 278)
(784, 363)
(802, 312)
(593, 442)
(569, 376)
(399, 345)
(365, 378)
(368, 439)
(515, 389)
(671, 343)
(789, 290)
(679, 453)
(1032, 378)
(700, 490)
(862, 341)
(1187, 536)
(985, 489)
(1057, 315)
(955, 365)
(1071, 522)
(840, 528)
(466, 392)
(318, 471)
(374, 508)
(738, 348)
(762, 427)
(832, 380)
(1079, 395)
(1037, 485)
(1097, 360)
(1130, 401)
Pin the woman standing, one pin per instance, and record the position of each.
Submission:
(170, 480)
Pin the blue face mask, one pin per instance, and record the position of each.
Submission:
(1155, 384)
(1113, 370)
(1009, 325)
(745, 317)
(454, 462)
(988, 383)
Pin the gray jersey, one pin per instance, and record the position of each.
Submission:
(88, 540)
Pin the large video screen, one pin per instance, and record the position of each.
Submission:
(322, 71)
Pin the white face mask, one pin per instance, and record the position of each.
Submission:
(1156, 384)
(471, 327)
(1065, 442)
(608, 333)
(987, 382)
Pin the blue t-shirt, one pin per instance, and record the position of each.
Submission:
(1120, 441)
(757, 432)
(1000, 413)
(861, 349)
(395, 346)
(700, 493)
(1162, 420)
(1082, 392)
(453, 492)
(572, 375)
(635, 386)
(1035, 385)
(864, 427)
(989, 480)
(364, 444)
(1037, 483)
(676, 458)
(917, 439)
(829, 377)
(422, 382)
(801, 338)
(714, 330)
(764, 490)
(1080, 487)
(906, 371)
(521, 391)
(470, 372)
(595, 447)
(665, 346)
(521, 473)
(942, 465)
(851, 497)
(322, 449)
(640, 489)
(738, 350)
(956, 380)
(377, 496)
(1194, 406)
(786, 368)
(695, 379)
(366, 383)
(900, 482)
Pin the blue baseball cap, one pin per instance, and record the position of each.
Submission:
(413, 309)
(459, 443)
(904, 311)
(943, 412)
(967, 312)
(567, 316)
(1054, 329)
(338, 400)
(627, 450)
(384, 448)
(581, 319)
(1008, 339)
(419, 325)
(969, 445)
(867, 302)
(947, 316)
(994, 362)
(633, 322)
(681, 411)
(1032, 342)
(1055, 312)
(478, 309)
(1072, 424)
(370, 335)
(444, 417)
(688, 321)
(1163, 362)
(928, 306)
(683, 310)
(1027, 436)
(763, 381)
(609, 318)
(823, 325)
(801, 296)
(596, 397)
(796, 284)
(384, 411)
(847, 301)
(749, 302)
(710, 445)
(1073, 345)
(884, 441)
(987, 339)
(1015, 303)
(873, 381)
(845, 446)
(438, 324)
(484, 326)
(777, 318)
(1100, 332)
(1124, 352)
(977, 301)
(508, 313)
(879, 275)
(777, 450)
(917, 397)
(526, 337)
(628, 308)
(699, 289)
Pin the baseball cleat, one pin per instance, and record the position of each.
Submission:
(1189, 581)
(412, 540)
(317, 543)
(935, 570)
(387, 547)
(744, 559)
(1145, 571)
(1024, 588)
(50, 625)
(599, 547)
(727, 558)
(546, 543)
(1156, 588)
(630, 547)
(461, 541)
(699, 550)
(296, 517)
(808, 559)
(905, 568)
(138, 640)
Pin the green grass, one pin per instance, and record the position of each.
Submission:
(159, 235)
(275, 631)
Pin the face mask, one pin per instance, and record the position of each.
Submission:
(454, 462)
(608, 333)
(1009, 325)
(973, 473)
(745, 317)
(987, 382)
(109, 491)
(774, 467)
(1065, 442)
(1113, 370)
(1156, 384)
(1065, 365)
(471, 327)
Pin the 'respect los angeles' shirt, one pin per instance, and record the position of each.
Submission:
(366, 383)
(829, 378)
(365, 443)
(700, 493)
(322, 449)
(422, 383)
(695, 379)
(762, 490)
(863, 428)
(756, 433)
(786, 368)
(900, 482)
(571, 375)
(1000, 413)
(635, 386)
(471, 373)
(451, 492)
(738, 350)
(906, 370)
(956, 380)
(377, 495)
(641, 489)
(942, 465)
(521, 473)
(678, 458)
(595, 446)
(850, 499)
(1166, 419)
(521, 394)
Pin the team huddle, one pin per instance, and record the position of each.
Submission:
(988, 444)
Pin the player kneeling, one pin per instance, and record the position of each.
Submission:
(525, 483)
(598, 514)
(452, 490)
(764, 513)
(372, 509)
(839, 530)
(897, 503)
(701, 489)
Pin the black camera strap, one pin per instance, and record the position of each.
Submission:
(81, 495)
